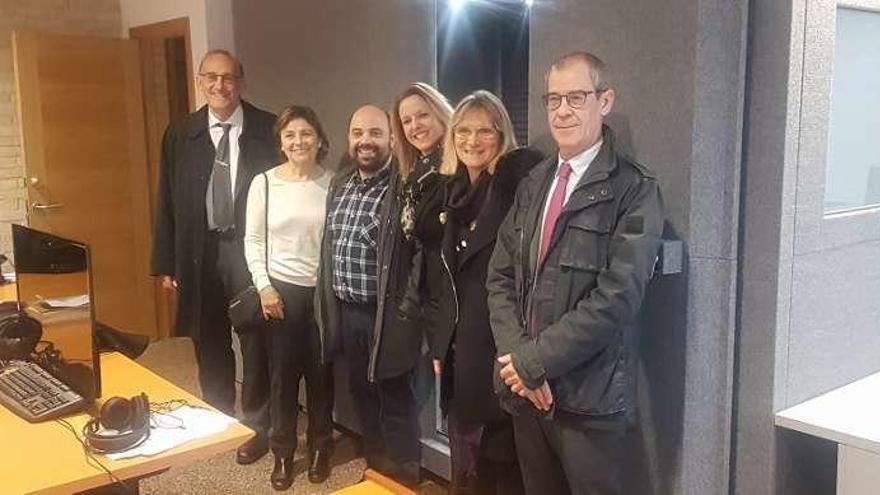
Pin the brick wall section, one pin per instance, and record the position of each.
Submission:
(77, 17)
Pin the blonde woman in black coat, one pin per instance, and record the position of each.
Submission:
(483, 166)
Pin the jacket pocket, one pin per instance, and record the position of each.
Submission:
(583, 255)
(585, 242)
(594, 388)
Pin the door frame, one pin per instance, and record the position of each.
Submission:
(173, 28)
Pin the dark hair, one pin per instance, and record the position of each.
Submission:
(226, 53)
(293, 112)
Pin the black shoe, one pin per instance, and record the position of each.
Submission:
(252, 451)
(319, 466)
(282, 473)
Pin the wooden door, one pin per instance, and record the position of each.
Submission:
(82, 126)
(168, 93)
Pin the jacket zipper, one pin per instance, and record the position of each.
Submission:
(523, 291)
(380, 300)
(451, 284)
(325, 254)
(431, 171)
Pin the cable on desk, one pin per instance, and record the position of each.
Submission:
(90, 457)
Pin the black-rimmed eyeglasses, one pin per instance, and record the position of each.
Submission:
(575, 99)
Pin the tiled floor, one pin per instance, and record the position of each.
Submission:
(173, 359)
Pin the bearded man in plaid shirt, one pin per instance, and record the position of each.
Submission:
(359, 203)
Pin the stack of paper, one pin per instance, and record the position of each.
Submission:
(184, 424)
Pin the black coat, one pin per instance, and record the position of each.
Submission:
(405, 304)
(181, 220)
(585, 297)
(463, 315)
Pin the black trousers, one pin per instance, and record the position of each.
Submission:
(214, 344)
(563, 456)
(482, 459)
(275, 357)
(387, 408)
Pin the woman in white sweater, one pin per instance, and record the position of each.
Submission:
(287, 348)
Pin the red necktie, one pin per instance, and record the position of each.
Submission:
(557, 201)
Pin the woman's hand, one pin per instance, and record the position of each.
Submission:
(438, 367)
(273, 308)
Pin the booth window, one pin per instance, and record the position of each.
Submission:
(852, 176)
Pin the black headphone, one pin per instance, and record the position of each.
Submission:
(129, 417)
(19, 334)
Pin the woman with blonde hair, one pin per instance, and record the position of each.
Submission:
(408, 256)
(483, 166)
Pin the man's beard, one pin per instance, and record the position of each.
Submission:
(371, 164)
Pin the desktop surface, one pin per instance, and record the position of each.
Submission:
(46, 458)
(847, 415)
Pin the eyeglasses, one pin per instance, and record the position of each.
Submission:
(226, 79)
(575, 99)
(465, 133)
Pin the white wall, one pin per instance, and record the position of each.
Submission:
(210, 22)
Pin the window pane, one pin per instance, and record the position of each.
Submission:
(852, 177)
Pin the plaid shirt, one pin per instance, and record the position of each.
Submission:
(354, 227)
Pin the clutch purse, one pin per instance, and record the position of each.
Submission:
(245, 309)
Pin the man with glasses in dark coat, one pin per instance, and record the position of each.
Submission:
(565, 285)
(207, 162)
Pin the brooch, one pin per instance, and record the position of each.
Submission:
(443, 218)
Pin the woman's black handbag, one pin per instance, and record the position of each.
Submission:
(245, 309)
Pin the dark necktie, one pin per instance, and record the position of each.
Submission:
(557, 201)
(218, 200)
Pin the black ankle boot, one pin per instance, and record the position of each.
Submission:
(252, 451)
(319, 466)
(282, 473)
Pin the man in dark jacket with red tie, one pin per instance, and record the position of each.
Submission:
(565, 285)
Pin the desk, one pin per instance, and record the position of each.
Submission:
(849, 416)
(7, 292)
(45, 458)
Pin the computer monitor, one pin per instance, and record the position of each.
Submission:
(54, 280)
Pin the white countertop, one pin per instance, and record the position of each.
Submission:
(848, 415)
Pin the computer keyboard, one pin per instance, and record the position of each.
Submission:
(32, 393)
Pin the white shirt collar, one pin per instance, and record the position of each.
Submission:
(582, 160)
(236, 119)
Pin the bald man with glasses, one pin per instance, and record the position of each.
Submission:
(565, 284)
(207, 161)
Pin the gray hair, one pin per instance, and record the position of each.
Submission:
(598, 68)
(239, 68)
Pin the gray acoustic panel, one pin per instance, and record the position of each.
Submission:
(835, 320)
